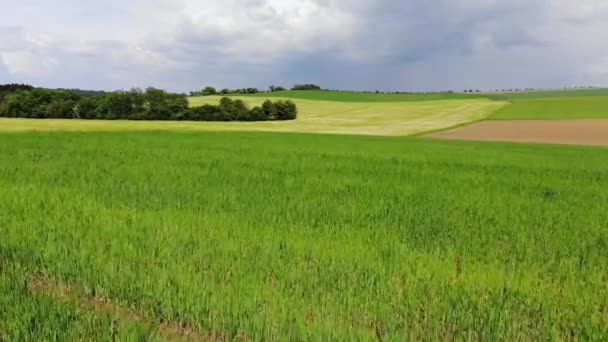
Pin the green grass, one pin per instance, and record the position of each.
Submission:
(269, 236)
(554, 108)
(389, 118)
(26, 315)
(352, 96)
(538, 94)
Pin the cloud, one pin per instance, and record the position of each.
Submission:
(261, 31)
(359, 44)
(27, 63)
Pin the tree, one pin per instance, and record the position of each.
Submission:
(269, 110)
(240, 111)
(13, 106)
(161, 105)
(91, 107)
(119, 105)
(135, 104)
(37, 102)
(285, 110)
(257, 114)
(208, 91)
(155, 104)
(205, 113)
(274, 88)
(61, 109)
(6, 89)
(305, 87)
(13, 87)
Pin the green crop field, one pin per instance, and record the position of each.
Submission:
(273, 236)
(371, 118)
(389, 118)
(352, 96)
(587, 107)
(538, 94)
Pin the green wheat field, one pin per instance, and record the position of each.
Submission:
(273, 236)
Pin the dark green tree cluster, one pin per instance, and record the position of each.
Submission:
(208, 91)
(38, 103)
(135, 104)
(85, 93)
(236, 110)
(306, 87)
(274, 88)
(151, 104)
(11, 88)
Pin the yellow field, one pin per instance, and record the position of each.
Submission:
(397, 118)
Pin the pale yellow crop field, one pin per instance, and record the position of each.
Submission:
(378, 118)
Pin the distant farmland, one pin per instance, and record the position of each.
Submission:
(352, 96)
(556, 118)
(583, 107)
(538, 94)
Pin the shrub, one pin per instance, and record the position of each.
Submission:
(306, 87)
(269, 110)
(240, 111)
(285, 110)
(257, 114)
(91, 108)
(161, 105)
(274, 88)
(209, 91)
(61, 109)
(119, 105)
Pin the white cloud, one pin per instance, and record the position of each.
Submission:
(258, 31)
(598, 73)
(27, 63)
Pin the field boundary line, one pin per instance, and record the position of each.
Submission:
(420, 134)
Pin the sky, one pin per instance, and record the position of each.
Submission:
(406, 45)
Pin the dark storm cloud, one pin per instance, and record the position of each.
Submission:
(452, 45)
(411, 31)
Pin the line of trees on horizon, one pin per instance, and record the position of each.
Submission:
(306, 87)
(23, 101)
(211, 91)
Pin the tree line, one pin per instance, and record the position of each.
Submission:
(20, 101)
(210, 91)
(306, 87)
(236, 110)
(6, 89)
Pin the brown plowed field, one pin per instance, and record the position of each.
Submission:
(576, 132)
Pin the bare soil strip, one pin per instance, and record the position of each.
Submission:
(574, 132)
(169, 331)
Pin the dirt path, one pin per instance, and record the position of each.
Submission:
(575, 132)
